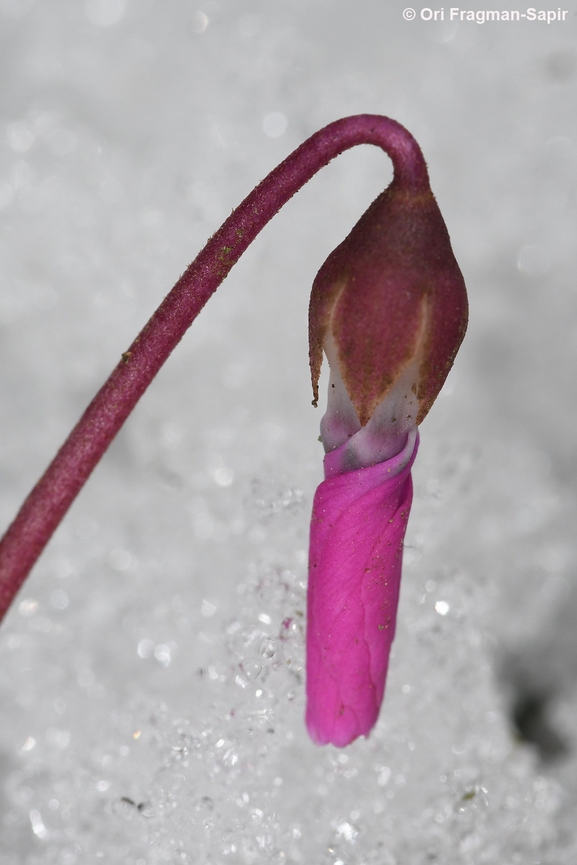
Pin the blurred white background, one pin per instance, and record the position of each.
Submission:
(151, 668)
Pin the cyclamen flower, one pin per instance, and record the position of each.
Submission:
(389, 309)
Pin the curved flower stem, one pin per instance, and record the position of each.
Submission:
(48, 502)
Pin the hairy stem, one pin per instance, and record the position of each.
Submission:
(49, 500)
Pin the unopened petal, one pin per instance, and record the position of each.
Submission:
(357, 530)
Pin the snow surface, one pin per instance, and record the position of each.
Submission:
(151, 672)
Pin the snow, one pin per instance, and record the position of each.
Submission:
(152, 667)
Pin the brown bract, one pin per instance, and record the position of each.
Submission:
(391, 295)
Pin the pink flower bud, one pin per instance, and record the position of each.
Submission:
(357, 529)
(389, 309)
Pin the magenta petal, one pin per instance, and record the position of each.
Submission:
(357, 529)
